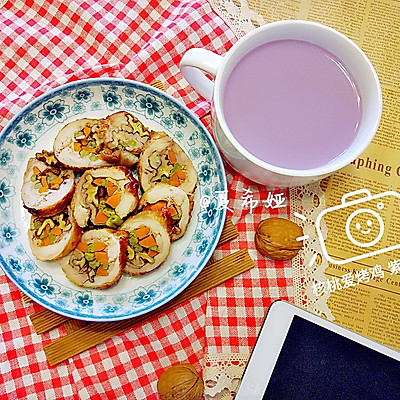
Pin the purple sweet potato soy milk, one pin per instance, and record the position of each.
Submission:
(292, 104)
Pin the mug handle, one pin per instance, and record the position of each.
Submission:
(193, 62)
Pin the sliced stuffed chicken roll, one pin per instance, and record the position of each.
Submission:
(163, 160)
(104, 196)
(125, 137)
(47, 189)
(172, 203)
(149, 242)
(80, 144)
(53, 237)
(98, 259)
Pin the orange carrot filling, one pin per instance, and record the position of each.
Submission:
(101, 218)
(82, 247)
(56, 231)
(89, 149)
(172, 156)
(98, 246)
(152, 253)
(172, 211)
(43, 181)
(47, 230)
(148, 241)
(101, 272)
(181, 174)
(101, 257)
(46, 241)
(142, 231)
(87, 130)
(174, 180)
(57, 181)
(95, 253)
(114, 200)
(97, 181)
(111, 190)
(159, 206)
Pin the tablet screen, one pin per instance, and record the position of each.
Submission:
(316, 363)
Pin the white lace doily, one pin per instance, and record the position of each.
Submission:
(238, 16)
(306, 202)
(221, 375)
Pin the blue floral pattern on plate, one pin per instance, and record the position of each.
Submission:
(54, 111)
(149, 105)
(5, 158)
(34, 129)
(8, 233)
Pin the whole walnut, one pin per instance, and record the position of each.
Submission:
(276, 238)
(180, 382)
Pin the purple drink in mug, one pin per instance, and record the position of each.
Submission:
(293, 101)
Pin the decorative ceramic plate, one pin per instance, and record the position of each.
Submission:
(34, 129)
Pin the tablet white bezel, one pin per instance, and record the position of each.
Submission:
(271, 339)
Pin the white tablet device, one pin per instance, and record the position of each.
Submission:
(300, 356)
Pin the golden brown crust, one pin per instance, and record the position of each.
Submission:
(155, 164)
(63, 244)
(124, 138)
(54, 208)
(123, 237)
(137, 263)
(81, 158)
(117, 243)
(85, 206)
(173, 196)
(51, 201)
(75, 239)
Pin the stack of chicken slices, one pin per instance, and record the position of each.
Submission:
(84, 201)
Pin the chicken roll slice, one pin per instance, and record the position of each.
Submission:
(172, 203)
(163, 160)
(149, 242)
(53, 237)
(80, 144)
(125, 137)
(105, 196)
(46, 189)
(98, 259)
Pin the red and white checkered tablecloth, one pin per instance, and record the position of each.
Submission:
(236, 309)
(45, 43)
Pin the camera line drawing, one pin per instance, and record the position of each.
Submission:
(364, 225)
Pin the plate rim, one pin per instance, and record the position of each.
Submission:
(180, 105)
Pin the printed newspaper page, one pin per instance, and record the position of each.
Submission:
(364, 276)
(368, 300)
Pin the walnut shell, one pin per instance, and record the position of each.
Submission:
(180, 382)
(276, 238)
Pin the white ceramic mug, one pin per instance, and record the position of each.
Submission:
(197, 61)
